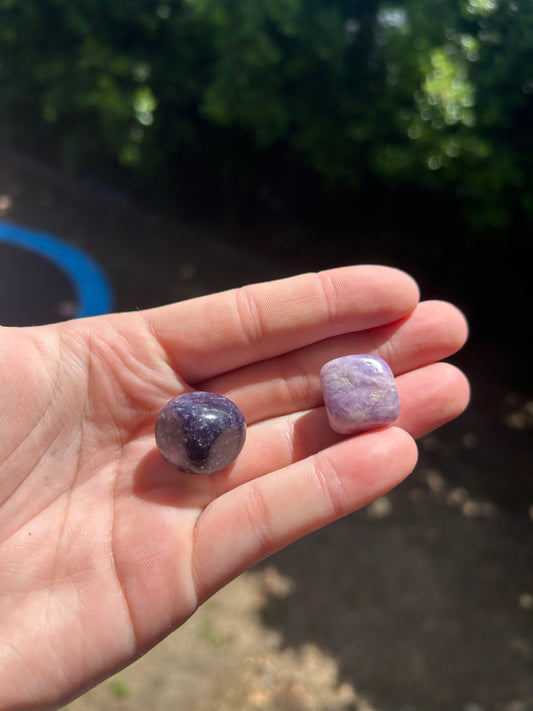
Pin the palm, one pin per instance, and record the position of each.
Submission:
(103, 548)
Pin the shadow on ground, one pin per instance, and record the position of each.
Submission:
(424, 599)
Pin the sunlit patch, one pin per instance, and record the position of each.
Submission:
(144, 104)
(447, 93)
(5, 204)
(481, 7)
(392, 17)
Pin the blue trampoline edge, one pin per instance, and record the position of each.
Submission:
(92, 286)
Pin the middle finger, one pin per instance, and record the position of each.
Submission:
(290, 383)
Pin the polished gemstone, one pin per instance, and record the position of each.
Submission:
(200, 433)
(359, 393)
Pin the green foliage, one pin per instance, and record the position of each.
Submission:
(218, 93)
(120, 688)
(210, 633)
(472, 95)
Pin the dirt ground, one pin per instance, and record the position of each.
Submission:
(421, 602)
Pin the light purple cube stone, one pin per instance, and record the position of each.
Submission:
(359, 393)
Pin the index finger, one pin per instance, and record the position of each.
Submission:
(211, 335)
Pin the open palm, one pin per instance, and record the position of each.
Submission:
(103, 548)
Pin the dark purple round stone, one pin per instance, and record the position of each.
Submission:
(200, 433)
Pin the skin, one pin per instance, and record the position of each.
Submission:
(104, 549)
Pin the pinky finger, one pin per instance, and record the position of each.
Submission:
(254, 520)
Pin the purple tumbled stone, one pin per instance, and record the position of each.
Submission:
(200, 433)
(359, 393)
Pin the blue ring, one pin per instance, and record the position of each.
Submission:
(92, 287)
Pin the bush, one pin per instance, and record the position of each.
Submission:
(207, 98)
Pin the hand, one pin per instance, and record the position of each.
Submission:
(103, 548)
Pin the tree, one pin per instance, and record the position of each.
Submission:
(220, 92)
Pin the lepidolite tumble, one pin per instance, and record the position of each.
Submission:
(359, 393)
(200, 432)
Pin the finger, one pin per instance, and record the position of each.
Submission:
(258, 518)
(290, 383)
(213, 334)
(429, 397)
